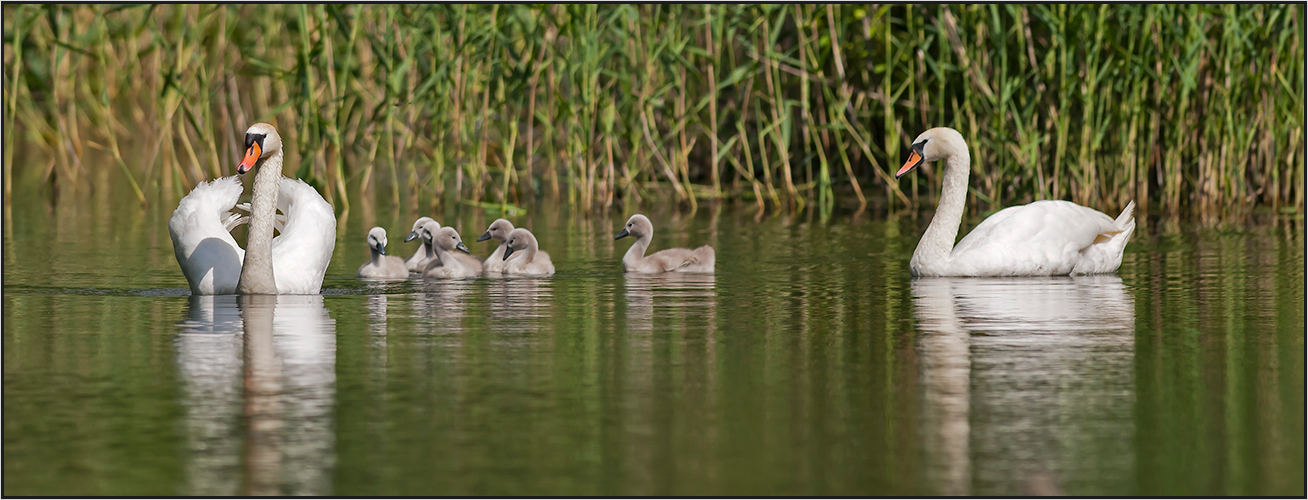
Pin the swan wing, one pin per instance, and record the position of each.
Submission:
(1040, 238)
(208, 255)
(540, 265)
(706, 258)
(304, 248)
(674, 260)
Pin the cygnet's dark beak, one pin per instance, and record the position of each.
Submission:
(507, 252)
(463, 248)
(381, 249)
(484, 237)
(412, 235)
(622, 235)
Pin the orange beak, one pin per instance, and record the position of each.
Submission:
(251, 156)
(914, 159)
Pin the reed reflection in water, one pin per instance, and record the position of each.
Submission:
(1022, 374)
(271, 360)
(810, 364)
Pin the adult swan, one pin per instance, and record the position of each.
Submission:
(1043, 238)
(291, 263)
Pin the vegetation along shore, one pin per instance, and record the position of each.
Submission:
(1179, 107)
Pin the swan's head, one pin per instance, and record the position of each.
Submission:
(261, 141)
(447, 238)
(498, 230)
(934, 144)
(638, 226)
(377, 240)
(519, 239)
(417, 228)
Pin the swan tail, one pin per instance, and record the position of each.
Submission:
(702, 258)
(1124, 223)
(1109, 246)
(706, 256)
(1126, 216)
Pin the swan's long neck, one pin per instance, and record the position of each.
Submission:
(446, 256)
(938, 240)
(637, 250)
(376, 256)
(530, 253)
(257, 271)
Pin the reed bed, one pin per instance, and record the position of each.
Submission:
(1180, 107)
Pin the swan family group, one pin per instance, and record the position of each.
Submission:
(1043, 238)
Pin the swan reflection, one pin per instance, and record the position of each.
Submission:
(268, 362)
(1020, 376)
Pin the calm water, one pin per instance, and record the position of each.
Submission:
(810, 364)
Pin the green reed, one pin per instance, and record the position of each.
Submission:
(1180, 107)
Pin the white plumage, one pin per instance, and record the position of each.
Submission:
(211, 259)
(1043, 238)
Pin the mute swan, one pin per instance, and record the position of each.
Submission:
(418, 260)
(1042, 238)
(680, 260)
(445, 240)
(291, 263)
(498, 231)
(526, 255)
(381, 265)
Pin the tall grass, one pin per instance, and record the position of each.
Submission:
(1180, 107)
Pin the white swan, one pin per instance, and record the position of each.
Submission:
(498, 231)
(418, 260)
(672, 260)
(380, 265)
(523, 256)
(1043, 238)
(291, 263)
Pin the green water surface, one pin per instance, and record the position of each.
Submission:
(808, 364)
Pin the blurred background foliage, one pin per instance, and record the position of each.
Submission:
(1181, 107)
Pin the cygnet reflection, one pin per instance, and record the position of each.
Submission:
(671, 296)
(267, 362)
(440, 306)
(1005, 364)
(519, 304)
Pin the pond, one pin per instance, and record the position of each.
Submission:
(810, 363)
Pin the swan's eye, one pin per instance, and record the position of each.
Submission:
(628, 224)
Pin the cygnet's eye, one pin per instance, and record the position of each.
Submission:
(628, 224)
